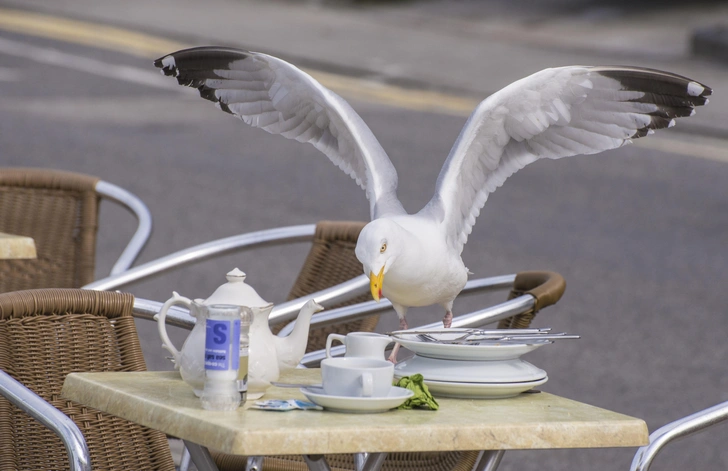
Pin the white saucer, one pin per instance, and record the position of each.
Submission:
(460, 371)
(358, 405)
(486, 351)
(480, 390)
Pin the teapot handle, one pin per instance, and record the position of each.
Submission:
(162, 326)
(330, 339)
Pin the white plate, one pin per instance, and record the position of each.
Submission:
(490, 351)
(480, 390)
(460, 371)
(360, 405)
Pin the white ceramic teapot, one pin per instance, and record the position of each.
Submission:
(268, 353)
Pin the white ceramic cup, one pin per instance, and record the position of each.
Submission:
(357, 377)
(360, 344)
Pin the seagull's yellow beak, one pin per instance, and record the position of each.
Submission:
(375, 283)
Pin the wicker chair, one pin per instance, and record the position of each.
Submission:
(546, 289)
(59, 210)
(331, 261)
(46, 334)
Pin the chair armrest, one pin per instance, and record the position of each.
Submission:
(38, 408)
(176, 316)
(326, 297)
(546, 287)
(368, 308)
(677, 429)
(282, 235)
(144, 225)
(474, 319)
(180, 317)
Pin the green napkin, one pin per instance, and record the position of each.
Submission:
(422, 397)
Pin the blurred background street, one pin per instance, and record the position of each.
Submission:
(639, 233)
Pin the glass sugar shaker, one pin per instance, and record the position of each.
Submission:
(246, 318)
(222, 357)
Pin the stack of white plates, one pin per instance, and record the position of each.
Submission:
(473, 369)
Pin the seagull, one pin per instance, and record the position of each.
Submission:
(415, 259)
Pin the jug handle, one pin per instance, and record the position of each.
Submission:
(162, 326)
(330, 339)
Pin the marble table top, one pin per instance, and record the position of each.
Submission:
(161, 400)
(15, 246)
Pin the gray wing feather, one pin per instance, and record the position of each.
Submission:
(271, 94)
(552, 114)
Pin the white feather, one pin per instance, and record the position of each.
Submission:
(552, 114)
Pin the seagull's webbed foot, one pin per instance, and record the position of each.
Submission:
(395, 350)
(447, 320)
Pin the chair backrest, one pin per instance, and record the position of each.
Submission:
(46, 334)
(331, 261)
(59, 210)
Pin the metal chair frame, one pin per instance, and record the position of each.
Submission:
(675, 430)
(140, 210)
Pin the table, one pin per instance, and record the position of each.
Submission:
(161, 400)
(16, 247)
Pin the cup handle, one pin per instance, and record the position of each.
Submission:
(162, 326)
(367, 384)
(329, 341)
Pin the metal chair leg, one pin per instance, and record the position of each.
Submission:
(488, 460)
(316, 462)
(184, 462)
(201, 457)
(255, 463)
(373, 461)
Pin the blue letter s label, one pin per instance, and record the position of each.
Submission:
(220, 331)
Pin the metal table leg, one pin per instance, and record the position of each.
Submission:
(255, 463)
(316, 462)
(362, 462)
(184, 464)
(369, 461)
(201, 457)
(488, 460)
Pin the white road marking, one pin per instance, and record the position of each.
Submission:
(691, 146)
(84, 64)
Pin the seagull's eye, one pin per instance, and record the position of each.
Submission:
(383, 248)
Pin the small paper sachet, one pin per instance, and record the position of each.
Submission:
(285, 405)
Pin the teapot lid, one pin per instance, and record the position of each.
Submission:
(237, 292)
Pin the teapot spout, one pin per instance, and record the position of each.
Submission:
(291, 349)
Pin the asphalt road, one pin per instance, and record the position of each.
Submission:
(638, 234)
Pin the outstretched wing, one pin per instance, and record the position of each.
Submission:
(552, 114)
(271, 94)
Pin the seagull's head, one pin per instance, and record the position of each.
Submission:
(379, 245)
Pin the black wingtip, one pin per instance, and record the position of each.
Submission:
(167, 64)
(201, 58)
(674, 96)
(658, 83)
(194, 66)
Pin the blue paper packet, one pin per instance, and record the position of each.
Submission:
(285, 405)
